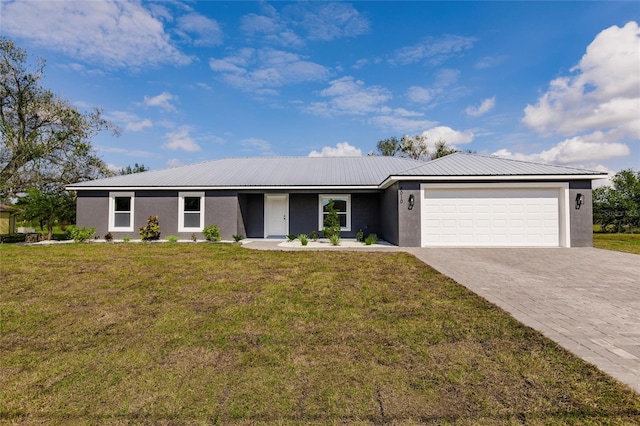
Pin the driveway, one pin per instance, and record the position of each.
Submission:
(585, 299)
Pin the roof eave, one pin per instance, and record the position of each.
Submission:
(393, 179)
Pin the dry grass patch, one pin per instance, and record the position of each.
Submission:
(201, 334)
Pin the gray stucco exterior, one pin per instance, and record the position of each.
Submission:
(581, 219)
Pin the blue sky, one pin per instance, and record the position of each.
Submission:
(554, 82)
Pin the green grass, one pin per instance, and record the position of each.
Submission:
(218, 334)
(629, 243)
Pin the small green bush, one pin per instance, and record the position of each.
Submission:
(108, 237)
(331, 222)
(126, 239)
(291, 237)
(238, 237)
(371, 239)
(335, 240)
(81, 235)
(314, 236)
(151, 232)
(212, 233)
(303, 239)
(172, 239)
(194, 237)
(360, 236)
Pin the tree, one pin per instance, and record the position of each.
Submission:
(617, 207)
(48, 208)
(137, 168)
(45, 142)
(414, 147)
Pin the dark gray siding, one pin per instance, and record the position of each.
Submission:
(365, 215)
(303, 213)
(221, 210)
(163, 204)
(93, 211)
(581, 219)
(251, 208)
(409, 221)
(389, 215)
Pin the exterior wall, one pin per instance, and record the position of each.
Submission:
(409, 219)
(303, 213)
(251, 207)
(365, 215)
(92, 211)
(221, 209)
(389, 226)
(581, 219)
(163, 204)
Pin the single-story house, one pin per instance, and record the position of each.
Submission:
(457, 200)
(7, 219)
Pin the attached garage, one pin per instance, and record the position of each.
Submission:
(494, 215)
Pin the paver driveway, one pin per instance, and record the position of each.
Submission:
(586, 299)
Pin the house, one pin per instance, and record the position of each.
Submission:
(458, 200)
(7, 219)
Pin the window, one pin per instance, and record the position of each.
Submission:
(121, 211)
(191, 211)
(342, 204)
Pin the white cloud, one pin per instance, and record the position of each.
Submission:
(604, 93)
(251, 69)
(329, 21)
(420, 95)
(486, 106)
(490, 61)
(258, 145)
(163, 101)
(180, 139)
(435, 50)
(569, 151)
(114, 33)
(342, 149)
(136, 126)
(199, 30)
(447, 134)
(348, 96)
(174, 162)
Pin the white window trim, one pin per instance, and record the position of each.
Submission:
(334, 196)
(112, 211)
(181, 197)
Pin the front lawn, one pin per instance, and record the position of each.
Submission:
(629, 243)
(218, 334)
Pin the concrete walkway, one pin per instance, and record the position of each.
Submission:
(585, 299)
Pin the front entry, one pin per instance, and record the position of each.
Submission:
(276, 215)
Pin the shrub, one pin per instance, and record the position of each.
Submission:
(212, 233)
(238, 237)
(151, 232)
(172, 239)
(331, 222)
(360, 236)
(81, 235)
(335, 240)
(126, 239)
(291, 237)
(303, 239)
(371, 239)
(313, 236)
(108, 237)
(194, 237)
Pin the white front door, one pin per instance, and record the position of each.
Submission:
(276, 215)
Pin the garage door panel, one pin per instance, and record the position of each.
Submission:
(491, 217)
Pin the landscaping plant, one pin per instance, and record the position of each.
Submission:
(303, 239)
(331, 222)
(81, 235)
(212, 233)
(151, 232)
(371, 239)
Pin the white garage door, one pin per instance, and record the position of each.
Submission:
(515, 217)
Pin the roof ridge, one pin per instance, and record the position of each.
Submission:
(532, 162)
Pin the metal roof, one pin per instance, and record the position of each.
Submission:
(464, 164)
(266, 172)
(326, 172)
